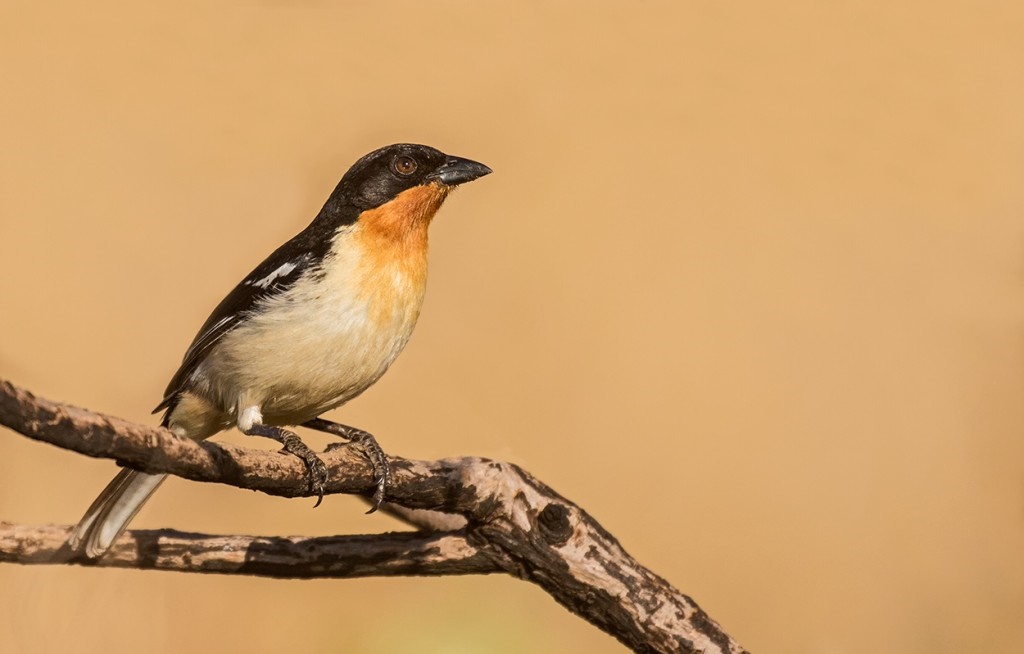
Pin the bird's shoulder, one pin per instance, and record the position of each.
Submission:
(300, 257)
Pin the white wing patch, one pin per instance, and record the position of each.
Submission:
(283, 270)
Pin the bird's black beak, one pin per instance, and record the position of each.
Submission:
(457, 170)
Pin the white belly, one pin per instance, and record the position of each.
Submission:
(320, 344)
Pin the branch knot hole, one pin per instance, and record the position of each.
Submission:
(553, 523)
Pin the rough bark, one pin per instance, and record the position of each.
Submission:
(493, 517)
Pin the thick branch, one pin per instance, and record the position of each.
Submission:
(513, 523)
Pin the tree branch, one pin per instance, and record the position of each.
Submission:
(296, 557)
(508, 522)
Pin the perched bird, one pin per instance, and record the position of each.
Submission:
(313, 326)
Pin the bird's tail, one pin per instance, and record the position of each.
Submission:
(110, 514)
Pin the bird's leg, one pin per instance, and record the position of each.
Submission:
(316, 471)
(371, 450)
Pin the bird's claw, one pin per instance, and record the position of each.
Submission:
(370, 449)
(317, 475)
(316, 469)
(381, 468)
(382, 476)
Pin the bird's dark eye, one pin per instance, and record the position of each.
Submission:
(405, 166)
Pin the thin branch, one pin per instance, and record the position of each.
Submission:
(294, 557)
(513, 524)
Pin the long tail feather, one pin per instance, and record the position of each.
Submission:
(110, 514)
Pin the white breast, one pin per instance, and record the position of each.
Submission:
(323, 341)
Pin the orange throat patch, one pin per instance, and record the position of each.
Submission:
(392, 240)
(407, 216)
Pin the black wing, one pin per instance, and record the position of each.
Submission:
(276, 274)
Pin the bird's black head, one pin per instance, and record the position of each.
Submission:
(382, 175)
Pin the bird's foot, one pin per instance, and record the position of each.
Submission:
(370, 449)
(316, 470)
(378, 460)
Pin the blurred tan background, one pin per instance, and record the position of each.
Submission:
(761, 265)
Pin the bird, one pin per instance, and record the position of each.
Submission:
(315, 324)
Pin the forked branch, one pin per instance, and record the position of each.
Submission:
(493, 517)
